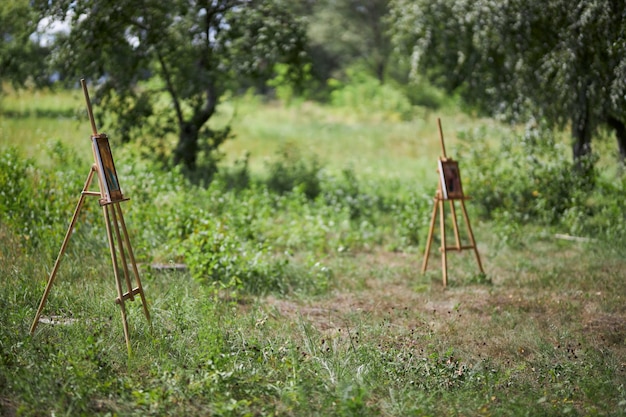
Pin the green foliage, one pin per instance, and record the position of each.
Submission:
(215, 254)
(238, 233)
(287, 90)
(237, 176)
(559, 60)
(35, 201)
(314, 305)
(362, 94)
(529, 179)
(22, 58)
(422, 93)
(291, 171)
(545, 190)
(13, 169)
(191, 54)
(345, 33)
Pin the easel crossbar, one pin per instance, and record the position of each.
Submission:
(130, 294)
(459, 248)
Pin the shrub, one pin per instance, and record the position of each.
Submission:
(218, 256)
(36, 203)
(364, 96)
(291, 171)
(531, 178)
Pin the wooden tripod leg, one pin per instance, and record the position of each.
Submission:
(443, 248)
(455, 225)
(120, 294)
(471, 236)
(429, 240)
(55, 269)
(120, 245)
(133, 263)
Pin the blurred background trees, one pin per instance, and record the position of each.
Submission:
(559, 62)
(191, 53)
(346, 33)
(22, 58)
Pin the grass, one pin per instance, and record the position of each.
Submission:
(387, 149)
(374, 148)
(30, 119)
(541, 334)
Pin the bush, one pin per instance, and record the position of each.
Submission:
(217, 255)
(291, 171)
(365, 96)
(530, 178)
(36, 203)
(248, 234)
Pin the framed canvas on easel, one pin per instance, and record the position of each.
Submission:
(450, 177)
(105, 165)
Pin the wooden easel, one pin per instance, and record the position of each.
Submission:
(449, 189)
(110, 198)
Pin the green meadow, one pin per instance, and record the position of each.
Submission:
(301, 291)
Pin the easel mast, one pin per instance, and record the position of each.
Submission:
(439, 207)
(119, 243)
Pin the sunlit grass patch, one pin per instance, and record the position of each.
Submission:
(30, 120)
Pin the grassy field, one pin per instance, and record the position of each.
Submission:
(348, 327)
(372, 147)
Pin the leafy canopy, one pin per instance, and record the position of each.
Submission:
(192, 52)
(561, 60)
(21, 56)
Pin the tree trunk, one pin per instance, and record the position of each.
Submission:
(581, 134)
(581, 129)
(380, 71)
(620, 134)
(186, 151)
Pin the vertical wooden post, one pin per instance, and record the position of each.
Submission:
(442, 248)
(118, 283)
(471, 237)
(429, 240)
(131, 255)
(443, 145)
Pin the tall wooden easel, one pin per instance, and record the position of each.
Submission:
(449, 189)
(110, 196)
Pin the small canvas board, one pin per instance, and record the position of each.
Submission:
(106, 169)
(450, 179)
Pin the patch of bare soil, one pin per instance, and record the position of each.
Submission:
(394, 292)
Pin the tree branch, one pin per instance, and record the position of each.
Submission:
(170, 87)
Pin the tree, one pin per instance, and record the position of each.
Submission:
(21, 57)
(343, 32)
(562, 60)
(189, 51)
